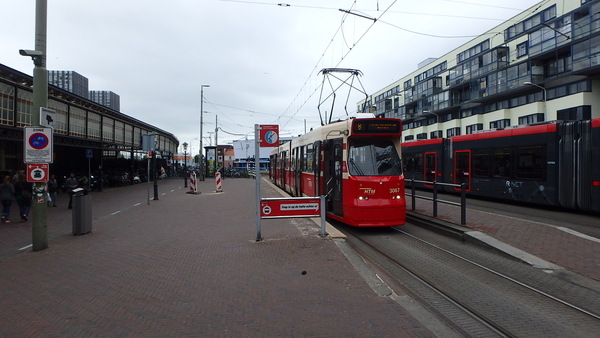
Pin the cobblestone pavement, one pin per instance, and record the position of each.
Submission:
(186, 266)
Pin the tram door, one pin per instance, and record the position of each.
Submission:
(462, 165)
(283, 164)
(298, 171)
(317, 167)
(332, 174)
(430, 167)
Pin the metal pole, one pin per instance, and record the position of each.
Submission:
(435, 199)
(323, 222)
(200, 161)
(148, 181)
(185, 169)
(463, 204)
(40, 99)
(201, 158)
(257, 152)
(154, 169)
(414, 199)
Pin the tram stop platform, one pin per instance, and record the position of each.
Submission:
(189, 265)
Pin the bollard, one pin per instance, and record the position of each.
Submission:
(218, 181)
(193, 182)
(193, 185)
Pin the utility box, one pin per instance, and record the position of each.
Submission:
(82, 212)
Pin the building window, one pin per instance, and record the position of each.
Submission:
(7, 104)
(522, 49)
(422, 136)
(474, 127)
(500, 124)
(575, 113)
(452, 132)
(409, 137)
(436, 134)
(533, 118)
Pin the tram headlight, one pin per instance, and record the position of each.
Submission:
(360, 198)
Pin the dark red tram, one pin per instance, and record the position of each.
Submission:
(557, 163)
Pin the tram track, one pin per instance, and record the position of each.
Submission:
(476, 291)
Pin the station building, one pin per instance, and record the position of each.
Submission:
(88, 136)
(541, 65)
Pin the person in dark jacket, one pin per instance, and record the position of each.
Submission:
(53, 189)
(70, 184)
(24, 194)
(7, 191)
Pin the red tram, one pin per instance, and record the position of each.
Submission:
(556, 163)
(355, 163)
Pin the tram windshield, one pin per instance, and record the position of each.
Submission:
(373, 158)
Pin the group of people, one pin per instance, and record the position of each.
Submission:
(17, 188)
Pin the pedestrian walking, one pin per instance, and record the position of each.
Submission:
(24, 194)
(15, 177)
(53, 190)
(7, 192)
(70, 184)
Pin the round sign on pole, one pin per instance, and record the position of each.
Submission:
(38, 141)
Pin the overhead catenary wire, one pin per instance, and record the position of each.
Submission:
(306, 93)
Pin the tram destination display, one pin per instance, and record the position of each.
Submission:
(376, 126)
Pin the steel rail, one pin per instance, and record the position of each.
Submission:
(529, 287)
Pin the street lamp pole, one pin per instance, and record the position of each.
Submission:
(40, 100)
(185, 164)
(544, 90)
(200, 159)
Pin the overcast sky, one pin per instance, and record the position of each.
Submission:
(261, 59)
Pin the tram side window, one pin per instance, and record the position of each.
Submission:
(531, 162)
(407, 164)
(418, 163)
(481, 162)
(501, 162)
(308, 158)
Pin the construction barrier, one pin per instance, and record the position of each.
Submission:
(193, 186)
(218, 181)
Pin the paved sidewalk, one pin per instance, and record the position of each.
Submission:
(567, 249)
(188, 266)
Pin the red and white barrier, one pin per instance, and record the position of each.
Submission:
(193, 187)
(218, 181)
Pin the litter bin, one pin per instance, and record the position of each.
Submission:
(82, 212)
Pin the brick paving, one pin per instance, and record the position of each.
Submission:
(574, 253)
(186, 266)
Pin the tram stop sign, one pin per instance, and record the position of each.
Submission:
(269, 135)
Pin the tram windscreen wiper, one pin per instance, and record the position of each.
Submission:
(356, 167)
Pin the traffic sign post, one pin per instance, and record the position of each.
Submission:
(266, 135)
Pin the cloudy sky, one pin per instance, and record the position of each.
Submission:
(261, 59)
